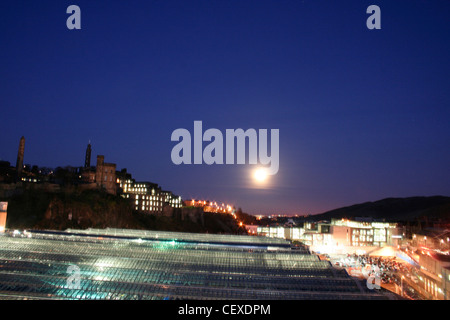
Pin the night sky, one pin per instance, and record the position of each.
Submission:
(363, 114)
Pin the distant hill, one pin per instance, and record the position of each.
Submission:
(435, 208)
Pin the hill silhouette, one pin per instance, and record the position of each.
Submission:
(435, 208)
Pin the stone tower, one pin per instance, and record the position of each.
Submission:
(87, 161)
(19, 163)
(105, 175)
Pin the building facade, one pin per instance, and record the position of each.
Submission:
(148, 197)
(436, 239)
(337, 233)
(435, 274)
(3, 215)
(105, 175)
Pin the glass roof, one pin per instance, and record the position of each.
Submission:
(132, 264)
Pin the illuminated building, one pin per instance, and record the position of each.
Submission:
(434, 274)
(430, 250)
(147, 196)
(358, 233)
(3, 215)
(342, 233)
(210, 206)
(174, 201)
(252, 229)
(438, 239)
(288, 233)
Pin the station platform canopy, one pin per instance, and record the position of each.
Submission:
(118, 264)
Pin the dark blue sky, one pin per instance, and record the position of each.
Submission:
(363, 114)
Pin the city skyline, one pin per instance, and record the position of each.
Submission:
(362, 114)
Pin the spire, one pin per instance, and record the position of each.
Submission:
(20, 154)
(87, 161)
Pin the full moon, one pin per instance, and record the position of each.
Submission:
(260, 174)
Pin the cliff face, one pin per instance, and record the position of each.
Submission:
(26, 208)
(87, 211)
(38, 209)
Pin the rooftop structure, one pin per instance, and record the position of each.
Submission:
(132, 264)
